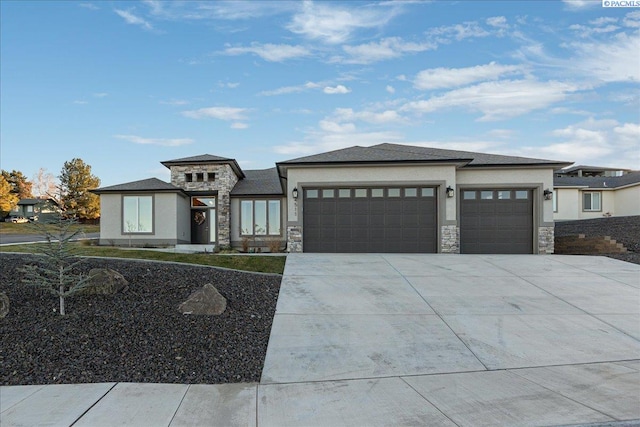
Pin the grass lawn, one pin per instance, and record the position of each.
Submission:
(26, 228)
(256, 263)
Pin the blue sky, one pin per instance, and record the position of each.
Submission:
(126, 85)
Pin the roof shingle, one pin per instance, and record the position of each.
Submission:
(151, 184)
(258, 182)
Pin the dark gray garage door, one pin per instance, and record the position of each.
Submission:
(496, 222)
(394, 219)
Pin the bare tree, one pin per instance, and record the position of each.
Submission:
(44, 184)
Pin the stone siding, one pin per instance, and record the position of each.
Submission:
(546, 240)
(294, 239)
(450, 239)
(224, 181)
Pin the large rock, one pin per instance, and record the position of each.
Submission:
(4, 305)
(205, 301)
(105, 281)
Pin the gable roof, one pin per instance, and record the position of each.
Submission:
(150, 184)
(258, 182)
(397, 153)
(205, 158)
(631, 178)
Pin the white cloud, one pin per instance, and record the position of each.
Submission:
(385, 117)
(239, 125)
(439, 78)
(594, 142)
(101, 95)
(80, 102)
(329, 126)
(385, 49)
(498, 22)
(217, 10)
(458, 31)
(318, 142)
(334, 24)
(586, 31)
(292, 89)
(581, 4)
(167, 142)
(613, 60)
(340, 89)
(233, 85)
(270, 52)
(176, 102)
(497, 100)
(220, 113)
(501, 133)
(89, 6)
(390, 89)
(130, 18)
(632, 19)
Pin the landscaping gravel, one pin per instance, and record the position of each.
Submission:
(137, 335)
(624, 229)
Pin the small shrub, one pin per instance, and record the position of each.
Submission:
(245, 244)
(274, 245)
(55, 274)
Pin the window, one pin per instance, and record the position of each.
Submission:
(486, 195)
(591, 201)
(30, 208)
(137, 214)
(200, 176)
(393, 192)
(188, 177)
(327, 194)
(410, 192)
(260, 217)
(428, 192)
(504, 195)
(361, 192)
(469, 195)
(211, 176)
(555, 201)
(203, 202)
(344, 192)
(522, 194)
(377, 192)
(312, 194)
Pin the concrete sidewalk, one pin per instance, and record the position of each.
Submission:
(407, 340)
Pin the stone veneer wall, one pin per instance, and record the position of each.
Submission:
(294, 239)
(225, 180)
(450, 239)
(546, 240)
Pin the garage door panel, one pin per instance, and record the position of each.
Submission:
(370, 220)
(496, 221)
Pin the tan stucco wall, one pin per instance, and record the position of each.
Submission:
(368, 175)
(530, 178)
(622, 202)
(628, 201)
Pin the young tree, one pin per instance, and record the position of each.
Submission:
(44, 184)
(8, 200)
(55, 273)
(20, 186)
(75, 182)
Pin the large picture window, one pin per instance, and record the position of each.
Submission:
(591, 201)
(137, 214)
(260, 217)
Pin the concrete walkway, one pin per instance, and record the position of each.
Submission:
(407, 340)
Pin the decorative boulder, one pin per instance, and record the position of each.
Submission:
(4, 305)
(205, 301)
(105, 281)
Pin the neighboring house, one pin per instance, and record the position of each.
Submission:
(385, 198)
(38, 209)
(583, 192)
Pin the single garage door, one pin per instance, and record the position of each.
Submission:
(496, 222)
(392, 219)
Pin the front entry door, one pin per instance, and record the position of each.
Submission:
(200, 224)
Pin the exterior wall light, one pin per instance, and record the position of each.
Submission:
(450, 191)
(294, 193)
(548, 194)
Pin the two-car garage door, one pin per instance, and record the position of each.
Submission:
(405, 220)
(384, 219)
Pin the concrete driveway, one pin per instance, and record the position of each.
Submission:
(453, 340)
(392, 340)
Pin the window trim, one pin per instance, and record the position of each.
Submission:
(554, 198)
(584, 208)
(253, 217)
(153, 215)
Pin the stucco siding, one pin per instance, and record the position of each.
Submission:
(369, 175)
(170, 221)
(627, 201)
(533, 178)
(568, 204)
